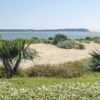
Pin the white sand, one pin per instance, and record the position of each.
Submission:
(50, 54)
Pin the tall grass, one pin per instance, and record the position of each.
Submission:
(67, 70)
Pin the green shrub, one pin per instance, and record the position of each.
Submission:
(59, 37)
(87, 38)
(94, 64)
(65, 44)
(50, 38)
(48, 41)
(2, 72)
(81, 46)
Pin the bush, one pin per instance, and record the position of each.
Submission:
(87, 38)
(94, 65)
(81, 46)
(59, 37)
(48, 41)
(95, 61)
(65, 44)
(50, 38)
(2, 72)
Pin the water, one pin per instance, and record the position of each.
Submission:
(45, 35)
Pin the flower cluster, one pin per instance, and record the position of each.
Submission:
(63, 91)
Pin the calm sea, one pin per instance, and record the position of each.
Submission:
(45, 35)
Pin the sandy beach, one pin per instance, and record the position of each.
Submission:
(51, 54)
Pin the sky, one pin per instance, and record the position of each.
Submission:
(50, 14)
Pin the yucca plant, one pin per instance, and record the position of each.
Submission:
(95, 61)
(12, 53)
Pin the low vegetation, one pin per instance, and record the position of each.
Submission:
(33, 40)
(94, 64)
(66, 70)
(90, 39)
(63, 41)
(94, 39)
(68, 81)
(85, 88)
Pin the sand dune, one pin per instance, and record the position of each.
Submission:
(50, 54)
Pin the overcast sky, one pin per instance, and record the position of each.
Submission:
(50, 14)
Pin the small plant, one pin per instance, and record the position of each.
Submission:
(50, 38)
(59, 37)
(65, 44)
(95, 61)
(87, 38)
(68, 70)
(81, 46)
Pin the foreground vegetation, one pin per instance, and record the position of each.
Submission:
(70, 81)
(84, 88)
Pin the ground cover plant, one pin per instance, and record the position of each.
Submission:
(83, 88)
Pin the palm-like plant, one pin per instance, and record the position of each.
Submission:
(95, 61)
(11, 54)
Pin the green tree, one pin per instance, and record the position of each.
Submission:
(12, 53)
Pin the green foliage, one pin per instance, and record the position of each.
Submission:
(69, 44)
(59, 37)
(68, 70)
(65, 44)
(50, 38)
(0, 36)
(62, 41)
(27, 41)
(80, 46)
(11, 54)
(2, 72)
(65, 90)
(95, 39)
(95, 61)
(87, 38)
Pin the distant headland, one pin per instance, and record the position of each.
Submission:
(41, 30)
